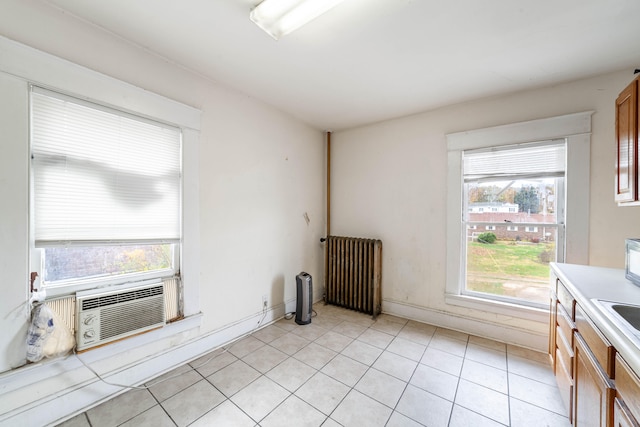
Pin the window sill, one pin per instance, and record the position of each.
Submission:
(499, 307)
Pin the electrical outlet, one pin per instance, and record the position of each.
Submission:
(264, 301)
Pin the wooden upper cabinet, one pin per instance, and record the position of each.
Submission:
(627, 144)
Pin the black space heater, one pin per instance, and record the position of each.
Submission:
(304, 297)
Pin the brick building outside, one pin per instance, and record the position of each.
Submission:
(509, 225)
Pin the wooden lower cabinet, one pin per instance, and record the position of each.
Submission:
(593, 391)
(565, 383)
(626, 410)
(621, 415)
(597, 385)
(553, 323)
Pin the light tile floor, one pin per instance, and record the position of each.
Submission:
(344, 369)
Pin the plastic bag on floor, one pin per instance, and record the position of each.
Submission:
(47, 336)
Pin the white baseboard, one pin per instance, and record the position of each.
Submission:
(535, 340)
(50, 392)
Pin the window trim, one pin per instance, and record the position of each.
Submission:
(576, 129)
(32, 66)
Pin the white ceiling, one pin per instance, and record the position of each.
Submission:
(370, 60)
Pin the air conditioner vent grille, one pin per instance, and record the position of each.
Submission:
(106, 300)
(118, 319)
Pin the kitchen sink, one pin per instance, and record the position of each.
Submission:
(625, 315)
(630, 313)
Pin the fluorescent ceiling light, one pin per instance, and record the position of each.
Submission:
(280, 17)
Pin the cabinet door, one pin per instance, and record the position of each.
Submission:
(628, 388)
(621, 415)
(627, 144)
(564, 375)
(593, 391)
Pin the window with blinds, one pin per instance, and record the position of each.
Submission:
(106, 190)
(513, 219)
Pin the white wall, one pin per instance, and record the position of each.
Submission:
(260, 172)
(389, 182)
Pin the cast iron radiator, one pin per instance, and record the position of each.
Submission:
(353, 273)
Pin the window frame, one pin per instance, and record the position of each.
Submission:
(67, 286)
(71, 286)
(576, 130)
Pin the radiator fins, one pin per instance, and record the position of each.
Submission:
(353, 273)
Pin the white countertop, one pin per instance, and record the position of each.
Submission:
(586, 283)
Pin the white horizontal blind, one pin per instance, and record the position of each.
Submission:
(526, 161)
(102, 176)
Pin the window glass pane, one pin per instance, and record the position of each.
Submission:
(511, 269)
(76, 262)
(511, 236)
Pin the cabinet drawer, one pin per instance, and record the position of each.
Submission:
(621, 415)
(628, 386)
(565, 354)
(565, 326)
(601, 348)
(565, 384)
(567, 301)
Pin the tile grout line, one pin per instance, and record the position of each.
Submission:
(409, 381)
(455, 395)
(506, 355)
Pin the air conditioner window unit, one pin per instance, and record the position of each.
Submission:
(107, 315)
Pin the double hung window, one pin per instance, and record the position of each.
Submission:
(105, 194)
(524, 187)
(513, 206)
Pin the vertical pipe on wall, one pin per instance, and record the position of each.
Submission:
(328, 183)
(326, 248)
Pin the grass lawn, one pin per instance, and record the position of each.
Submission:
(509, 258)
(510, 269)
